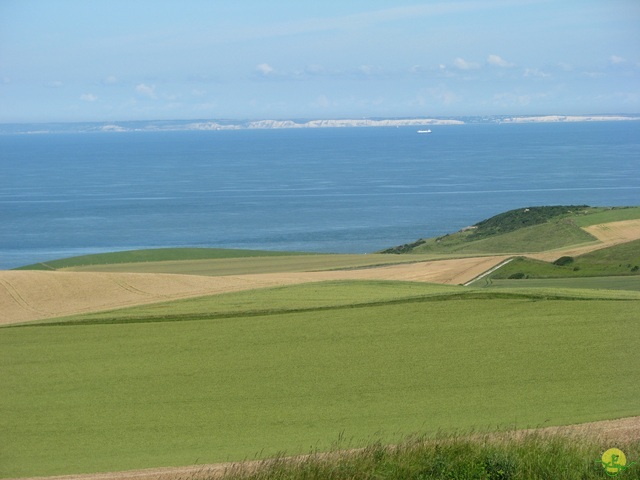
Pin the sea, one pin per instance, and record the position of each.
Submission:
(343, 190)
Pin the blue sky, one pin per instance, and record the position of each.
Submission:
(102, 60)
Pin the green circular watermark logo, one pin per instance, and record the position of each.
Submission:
(614, 461)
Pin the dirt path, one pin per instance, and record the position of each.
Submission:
(36, 295)
(615, 431)
(32, 295)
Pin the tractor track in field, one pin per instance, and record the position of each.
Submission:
(38, 295)
(17, 298)
(30, 295)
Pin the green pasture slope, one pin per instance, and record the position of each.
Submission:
(296, 369)
(524, 230)
(152, 255)
(530, 229)
(311, 367)
(609, 264)
(216, 262)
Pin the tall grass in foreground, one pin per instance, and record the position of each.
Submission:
(509, 455)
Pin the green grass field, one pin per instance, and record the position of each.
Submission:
(153, 255)
(342, 364)
(535, 238)
(288, 299)
(607, 215)
(597, 283)
(502, 456)
(534, 229)
(216, 262)
(267, 264)
(262, 376)
(619, 260)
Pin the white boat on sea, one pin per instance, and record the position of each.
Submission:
(424, 131)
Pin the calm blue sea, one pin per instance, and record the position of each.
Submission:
(323, 190)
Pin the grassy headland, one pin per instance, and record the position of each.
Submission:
(533, 229)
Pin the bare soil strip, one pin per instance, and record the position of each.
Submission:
(609, 234)
(37, 295)
(614, 431)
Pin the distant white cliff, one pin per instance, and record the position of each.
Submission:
(272, 124)
(568, 118)
(211, 125)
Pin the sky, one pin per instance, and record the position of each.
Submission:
(109, 60)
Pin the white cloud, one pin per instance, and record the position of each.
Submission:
(498, 61)
(88, 97)
(265, 69)
(146, 90)
(462, 64)
(110, 80)
(535, 73)
(616, 60)
(55, 84)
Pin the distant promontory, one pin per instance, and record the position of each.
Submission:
(231, 124)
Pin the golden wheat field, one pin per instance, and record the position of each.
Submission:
(37, 295)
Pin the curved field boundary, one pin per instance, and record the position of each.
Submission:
(608, 234)
(37, 295)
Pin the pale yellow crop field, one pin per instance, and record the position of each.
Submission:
(37, 295)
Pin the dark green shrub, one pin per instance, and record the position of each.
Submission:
(406, 248)
(517, 276)
(563, 261)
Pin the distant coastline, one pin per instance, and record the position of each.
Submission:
(213, 125)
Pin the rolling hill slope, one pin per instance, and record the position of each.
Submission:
(297, 357)
(223, 379)
(530, 230)
(87, 284)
